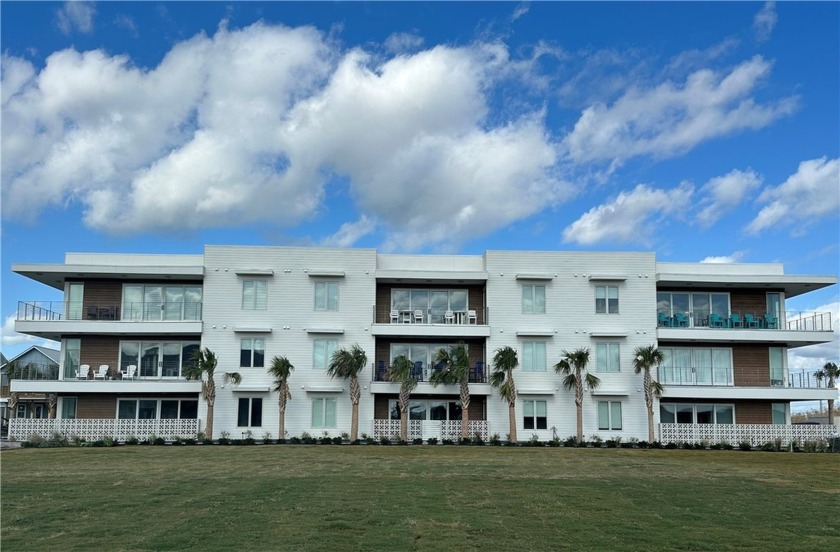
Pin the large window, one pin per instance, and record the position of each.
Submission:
(535, 415)
(779, 411)
(606, 299)
(777, 366)
(326, 296)
(137, 409)
(75, 298)
(427, 410)
(694, 308)
(609, 415)
(254, 295)
(533, 299)
(159, 302)
(322, 351)
(607, 357)
(533, 356)
(72, 356)
(432, 303)
(156, 359)
(68, 408)
(252, 353)
(685, 413)
(178, 409)
(696, 366)
(249, 413)
(323, 413)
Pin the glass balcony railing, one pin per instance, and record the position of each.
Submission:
(136, 312)
(32, 371)
(793, 321)
(422, 372)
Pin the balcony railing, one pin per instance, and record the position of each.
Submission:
(734, 434)
(467, 317)
(136, 312)
(793, 321)
(33, 371)
(422, 373)
(807, 379)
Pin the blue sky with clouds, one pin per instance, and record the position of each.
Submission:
(701, 131)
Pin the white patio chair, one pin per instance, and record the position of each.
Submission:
(84, 370)
(395, 316)
(103, 371)
(449, 317)
(130, 372)
(418, 317)
(472, 317)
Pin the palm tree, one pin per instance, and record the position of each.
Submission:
(280, 370)
(504, 363)
(348, 364)
(400, 372)
(830, 373)
(205, 362)
(644, 359)
(573, 367)
(456, 370)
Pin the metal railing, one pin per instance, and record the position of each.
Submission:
(136, 312)
(809, 321)
(33, 371)
(468, 317)
(23, 429)
(423, 373)
(793, 321)
(696, 375)
(806, 379)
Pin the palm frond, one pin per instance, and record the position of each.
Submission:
(505, 359)
(232, 377)
(656, 388)
(647, 357)
(204, 361)
(347, 363)
(592, 381)
(400, 369)
(570, 381)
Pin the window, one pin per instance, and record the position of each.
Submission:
(696, 366)
(606, 299)
(609, 415)
(173, 409)
(72, 356)
(427, 410)
(68, 408)
(696, 308)
(254, 295)
(250, 412)
(252, 353)
(322, 351)
(536, 415)
(326, 296)
(433, 303)
(152, 409)
(777, 366)
(75, 295)
(607, 357)
(533, 356)
(157, 302)
(533, 299)
(156, 359)
(697, 413)
(137, 409)
(779, 413)
(323, 413)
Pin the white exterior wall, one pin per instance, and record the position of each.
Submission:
(290, 310)
(571, 321)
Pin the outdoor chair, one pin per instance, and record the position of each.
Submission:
(395, 316)
(735, 321)
(449, 317)
(750, 321)
(130, 372)
(663, 320)
(418, 317)
(771, 321)
(103, 371)
(716, 321)
(680, 320)
(472, 317)
(84, 370)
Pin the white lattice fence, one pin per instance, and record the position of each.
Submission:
(452, 429)
(755, 434)
(92, 430)
(391, 429)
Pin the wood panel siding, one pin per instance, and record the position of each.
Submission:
(475, 298)
(96, 351)
(96, 406)
(478, 404)
(748, 302)
(746, 412)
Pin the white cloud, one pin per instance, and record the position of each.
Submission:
(75, 15)
(670, 119)
(18, 341)
(814, 357)
(521, 9)
(350, 232)
(725, 259)
(403, 42)
(806, 196)
(630, 217)
(724, 193)
(765, 21)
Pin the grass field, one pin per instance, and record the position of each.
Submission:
(416, 498)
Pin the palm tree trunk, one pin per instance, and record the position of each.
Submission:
(512, 421)
(284, 393)
(831, 411)
(210, 396)
(649, 404)
(13, 403)
(465, 410)
(52, 405)
(579, 408)
(355, 395)
(208, 427)
(404, 423)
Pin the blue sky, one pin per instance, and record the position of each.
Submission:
(701, 131)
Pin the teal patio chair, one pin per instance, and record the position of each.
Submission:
(716, 321)
(663, 320)
(735, 321)
(750, 321)
(771, 322)
(680, 320)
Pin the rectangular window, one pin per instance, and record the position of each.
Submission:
(75, 297)
(777, 366)
(533, 299)
(254, 295)
(697, 413)
(323, 413)
(249, 412)
(779, 413)
(607, 357)
(322, 351)
(609, 415)
(252, 353)
(606, 299)
(535, 415)
(72, 356)
(326, 296)
(68, 408)
(533, 356)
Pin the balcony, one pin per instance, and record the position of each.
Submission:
(421, 373)
(102, 380)
(33, 371)
(431, 323)
(807, 380)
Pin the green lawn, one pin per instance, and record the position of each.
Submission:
(417, 498)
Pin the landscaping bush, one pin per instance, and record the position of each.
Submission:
(745, 446)
(432, 441)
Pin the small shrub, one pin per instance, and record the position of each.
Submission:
(432, 441)
(158, 441)
(448, 442)
(716, 446)
(132, 440)
(384, 441)
(417, 441)
(109, 442)
(670, 445)
(495, 440)
(744, 445)
(477, 440)
(597, 441)
(727, 446)
(534, 441)
(465, 441)
(555, 442)
(325, 441)
(768, 447)
(267, 437)
(346, 436)
(612, 443)
(201, 436)
(57, 439)
(189, 441)
(401, 442)
(295, 440)
(177, 441)
(35, 441)
(687, 445)
(702, 445)
(337, 440)
(777, 444)
(656, 445)
(369, 440)
(643, 444)
(570, 441)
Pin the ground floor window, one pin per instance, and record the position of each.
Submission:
(427, 410)
(779, 413)
(609, 415)
(535, 415)
(684, 413)
(34, 410)
(154, 409)
(323, 412)
(68, 408)
(250, 412)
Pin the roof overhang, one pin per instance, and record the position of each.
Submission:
(54, 275)
(790, 285)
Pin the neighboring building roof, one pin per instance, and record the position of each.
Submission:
(52, 355)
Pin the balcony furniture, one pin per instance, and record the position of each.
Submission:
(680, 320)
(103, 371)
(416, 371)
(663, 320)
(418, 316)
(439, 367)
(771, 322)
(449, 317)
(406, 316)
(477, 374)
(472, 317)
(92, 313)
(750, 321)
(84, 371)
(716, 321)
(130, 372)
(381, 371)
(395, 316)
(735, 321)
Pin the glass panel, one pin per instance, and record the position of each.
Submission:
(724, 414)
(168, 410)
(189, 410)
(667, 413)
(332, 296)
(72, 354)
(666, 367)
(528, 357)
(68, 408)
(172, 359)
(149, 360)
(612, 299)
(600, 299)
(147, 409)
(774, 309)
(417, 410)
(682, 366)
(437, 410)
(129, 354)
(256, 412)
(705, 414)
(152, 302)
(722, 360)
(127, 409)
(603, 415)
(260, 295)
(320, 296)
(188, 353)
(75, 296)
(174, 296)
(132, 306)
(663, 303)
(615, 415)
(399, 349)
(454, 410)
(458, 300)
(700, 308)
(438, 305)
(394, 409)
(192, 303)
(242, 412)
(420, 300)
(779, 413)
(527, 299)
(329, 412)
(720, 304)
(248, 294)
(400, 299)
(777, 367)
(259, 353)
(539, 356)
(529, 408)
(539, 299)
(703, 366)
(245, 353)
(679, 303)
(685, 413)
